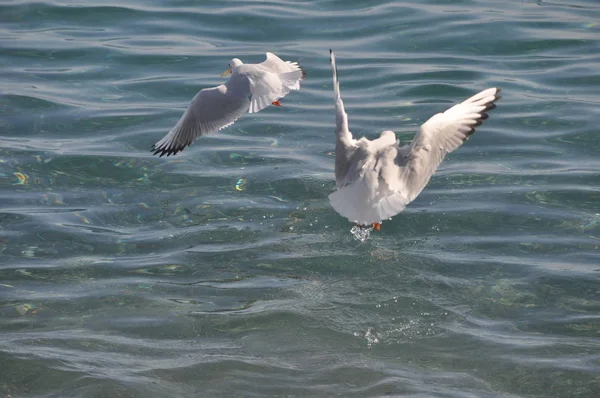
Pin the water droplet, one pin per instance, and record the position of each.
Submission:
(361, 233)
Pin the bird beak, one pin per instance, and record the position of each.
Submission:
(226, 73)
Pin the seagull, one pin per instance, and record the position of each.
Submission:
(376, 179)
(251, 88)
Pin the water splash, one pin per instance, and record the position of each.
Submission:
(371, 336)
(361, 232)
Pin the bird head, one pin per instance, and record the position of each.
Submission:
(234, 63)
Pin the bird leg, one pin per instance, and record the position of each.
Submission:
(375, 226)
(276, 103)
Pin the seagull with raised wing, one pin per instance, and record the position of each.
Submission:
(376, 179)
(251, 88)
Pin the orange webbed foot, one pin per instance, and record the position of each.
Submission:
(276, 103)
(376, 226)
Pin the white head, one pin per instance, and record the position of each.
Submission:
(234, 63)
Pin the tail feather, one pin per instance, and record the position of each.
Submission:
(358, 203)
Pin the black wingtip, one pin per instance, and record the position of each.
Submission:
(484, 114)
(164, 151)
(303, 71)
(337, 79)
(497, 95)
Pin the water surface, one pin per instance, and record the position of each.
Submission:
(126, 275)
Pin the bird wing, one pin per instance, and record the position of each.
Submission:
(443, 133)
(210, 110)
(277, 65)
(345, 145)
(267, 85)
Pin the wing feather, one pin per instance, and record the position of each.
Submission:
(345, 145)
(210, 110)
(267, 87)
(277, 65)
(441, 134)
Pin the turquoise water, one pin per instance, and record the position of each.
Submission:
(126, 275)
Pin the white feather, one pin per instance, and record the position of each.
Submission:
(377, 179)
(218, 107)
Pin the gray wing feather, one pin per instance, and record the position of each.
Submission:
(440, 135)
(344, 142)
(211, 110)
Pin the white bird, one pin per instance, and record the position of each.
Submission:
(377, 179)
(250, 88)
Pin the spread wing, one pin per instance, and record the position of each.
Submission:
(440, 135)
(210, 110)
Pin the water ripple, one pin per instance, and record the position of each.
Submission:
(126, 274)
